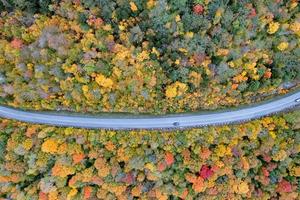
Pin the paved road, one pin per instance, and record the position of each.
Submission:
(154, 122)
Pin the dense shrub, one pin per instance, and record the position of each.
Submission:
(255, 160)
(153, 56)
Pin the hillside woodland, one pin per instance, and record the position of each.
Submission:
(146, 56)
(255, 160)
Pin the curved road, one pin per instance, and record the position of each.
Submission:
(154, 122)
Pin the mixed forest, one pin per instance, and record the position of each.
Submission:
(146, 56)
(256, 160)
(149, 56)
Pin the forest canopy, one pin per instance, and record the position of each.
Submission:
(255, 160)
(146, 56)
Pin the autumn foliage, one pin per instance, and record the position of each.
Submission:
(255, 160)
(150, 56)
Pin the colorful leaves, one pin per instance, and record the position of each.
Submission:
(198, 182)
(96, 22)
(150, 167)
(234, 86)
(218, 15)
(206, 172)
(62, 170)
(43, 196)
(184, 194)
(72, 193)
(16, 43)
(241, 187)
(27, 144)
(102, 167)
(103, 81)
(134, 164)
(284, 186)
(151, 3)
(265, 172)
(268, 74)
(161, 166)
(296, 171)
(50, 146)
(176, 89)
(110, 146)
(245, 163)
(205, 153)
(252, 13)
(136, 191)
(295, 27)
(169, 158)
(167, 162)
(283, 46)
(171, 92)
(273, 27)
(129, 178)
(280, 155)
(222, 150)
(198, 185)
(31, 131)
(222, 52)
(240, 78)
(142, 57)
(78, 157)
(87, 192)
(133, 7)
(198, 9)
(136, 69)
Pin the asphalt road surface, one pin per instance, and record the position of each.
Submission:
(154, 122)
